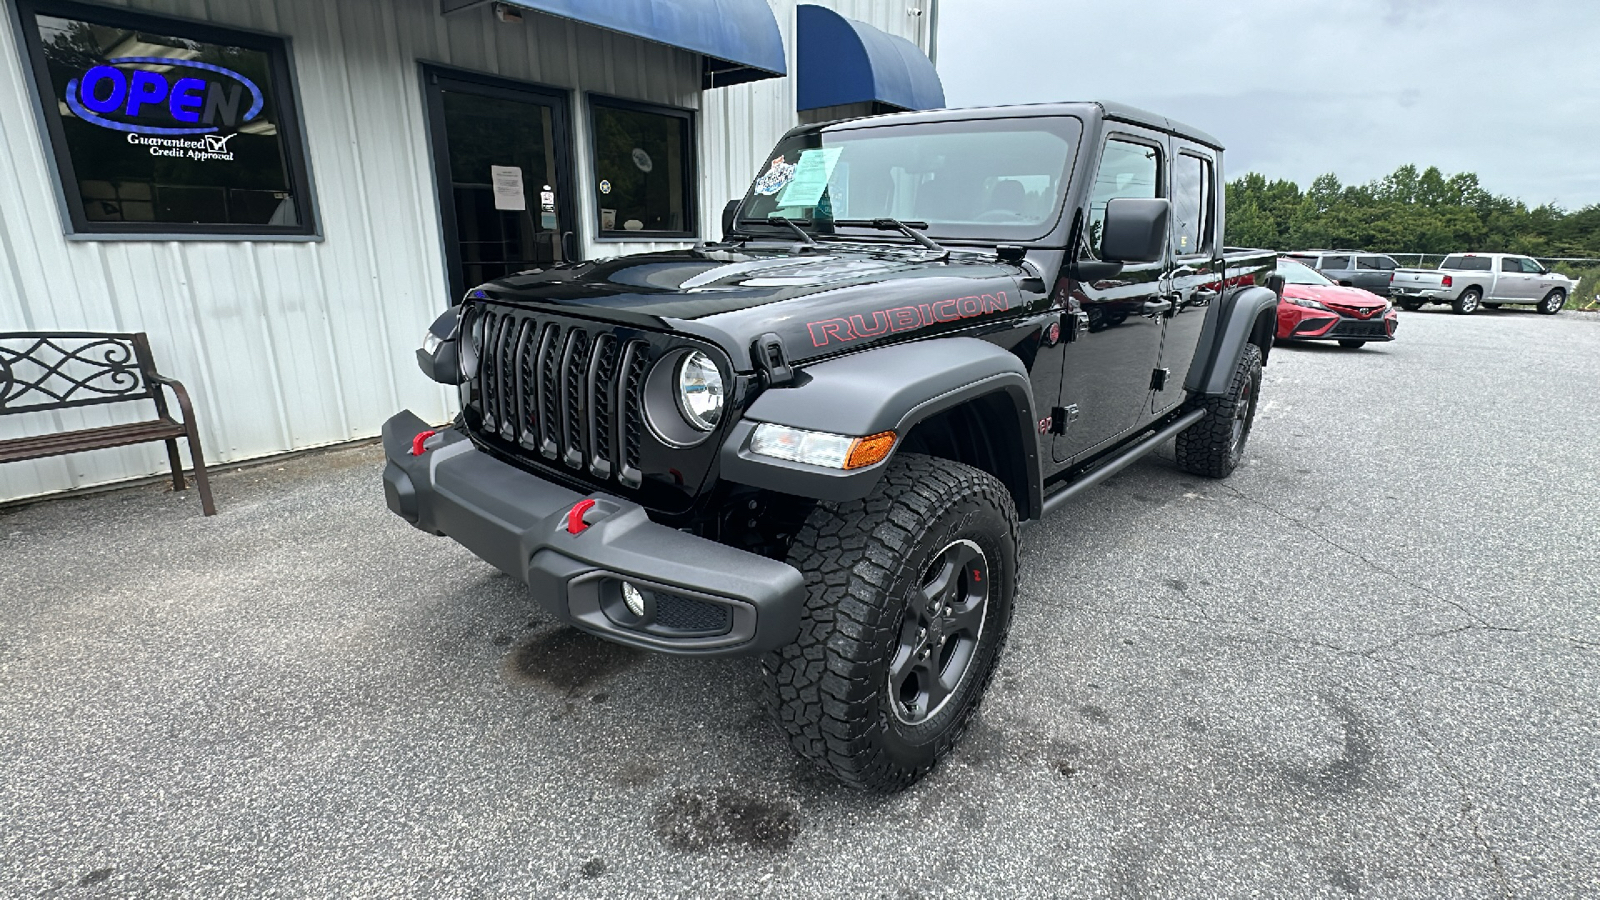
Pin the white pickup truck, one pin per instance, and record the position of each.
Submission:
(1467, 281)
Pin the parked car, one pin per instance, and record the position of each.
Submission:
(1351, 268)
(814, 441)
(1313, 308)
(1467, 281)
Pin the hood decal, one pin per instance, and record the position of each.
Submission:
(904, 318)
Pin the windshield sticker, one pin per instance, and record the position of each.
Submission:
(904, 318)
(810, 177)
(775, 178)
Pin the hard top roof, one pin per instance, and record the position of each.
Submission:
(1085, 110)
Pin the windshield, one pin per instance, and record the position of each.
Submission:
(988, 178)
(1295, 273)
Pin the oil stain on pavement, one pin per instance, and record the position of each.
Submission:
(567, 659)
(699, 820)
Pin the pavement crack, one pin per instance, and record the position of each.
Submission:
(1471, 808)
(1370, 563)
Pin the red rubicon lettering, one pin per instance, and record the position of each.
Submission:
(904, 318)
(837, 329)
(880, 324)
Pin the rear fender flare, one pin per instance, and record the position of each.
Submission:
(888, 389)
(1249, 316)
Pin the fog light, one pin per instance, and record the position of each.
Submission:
(633, 598)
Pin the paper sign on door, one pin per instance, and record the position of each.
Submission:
(508, 194)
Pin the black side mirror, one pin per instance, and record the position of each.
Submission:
(439, 357)
(730, 219)
(1135, 230)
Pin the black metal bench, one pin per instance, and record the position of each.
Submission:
(48, 370)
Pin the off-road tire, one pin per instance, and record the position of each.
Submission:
(865, 564)
(1411, 305)
(1468, 302)
(1552, 302)
(1213, 446)
(1349, 344)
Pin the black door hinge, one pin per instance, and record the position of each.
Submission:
(1158, 379)
(1062, 417)
(773, 360)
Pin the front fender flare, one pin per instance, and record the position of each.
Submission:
(1238, 322)
(888, 389)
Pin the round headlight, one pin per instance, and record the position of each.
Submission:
(700, 391)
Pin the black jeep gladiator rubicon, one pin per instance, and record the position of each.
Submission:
(814, 441)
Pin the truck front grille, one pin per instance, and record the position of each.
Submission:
(568, 391)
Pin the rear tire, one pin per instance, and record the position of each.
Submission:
(1553, 302)
(1352, 345)
(1411, 305)
(1468, 302)
(908, 602)
(1214, 445)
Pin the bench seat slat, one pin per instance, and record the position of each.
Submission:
(43, 445)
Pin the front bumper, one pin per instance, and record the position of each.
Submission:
(702, 598)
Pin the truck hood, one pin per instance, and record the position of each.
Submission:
(823, 301)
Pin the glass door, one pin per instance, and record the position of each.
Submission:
(502, 159)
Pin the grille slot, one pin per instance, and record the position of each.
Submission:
(570, 392)
(688, 614)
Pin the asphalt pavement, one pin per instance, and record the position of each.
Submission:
(1367, 664)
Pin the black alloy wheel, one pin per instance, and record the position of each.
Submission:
(940, 633)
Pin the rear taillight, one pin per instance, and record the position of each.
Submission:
(1448, 281)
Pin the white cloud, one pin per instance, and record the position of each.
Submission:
(1503, 88)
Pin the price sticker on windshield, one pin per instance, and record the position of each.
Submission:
(810, 178)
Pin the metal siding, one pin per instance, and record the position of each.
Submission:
(289, 345)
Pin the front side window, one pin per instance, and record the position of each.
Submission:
(643, 169)
(1191, 205)
(996, 179)
(1532, 268)
(1127, 169)
(168, 127)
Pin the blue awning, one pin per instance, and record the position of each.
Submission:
(739, 39)
(840, 61)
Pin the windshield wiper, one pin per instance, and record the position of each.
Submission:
(909, 229)
(785, 220)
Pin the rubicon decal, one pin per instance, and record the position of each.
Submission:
(200, 97)
(904, 318)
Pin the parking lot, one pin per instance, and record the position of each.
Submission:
(1369, 663)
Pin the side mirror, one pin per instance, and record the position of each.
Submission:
(1135, 230)
(730, 220)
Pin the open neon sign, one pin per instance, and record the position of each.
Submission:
(205, 104)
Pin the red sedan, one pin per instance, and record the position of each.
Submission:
(1315, 309)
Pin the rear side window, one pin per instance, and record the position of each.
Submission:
(1375, 263)
(1335, 262)
(1191, 205)
(1511, 264)
(1126, 170)
(1467, 263)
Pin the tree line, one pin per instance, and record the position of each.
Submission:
(1407, 211)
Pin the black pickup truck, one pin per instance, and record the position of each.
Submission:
(816, 440)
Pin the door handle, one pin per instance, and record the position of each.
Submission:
(1184, 271)
(1157, 307)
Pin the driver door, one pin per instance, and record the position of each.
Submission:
(1116, 344)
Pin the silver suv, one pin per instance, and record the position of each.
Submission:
(1351, 268)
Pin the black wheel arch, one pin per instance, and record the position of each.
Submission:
(957, 398)
(1247, 316)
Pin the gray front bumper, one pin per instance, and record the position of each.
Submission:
(517, 522)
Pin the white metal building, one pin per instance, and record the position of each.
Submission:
(286, 272)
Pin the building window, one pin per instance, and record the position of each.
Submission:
(643, 169)
(165, 127)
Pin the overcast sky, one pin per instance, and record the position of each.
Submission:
(1509, 89)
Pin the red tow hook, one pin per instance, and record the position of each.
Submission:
(575, 522)
(416, 442)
